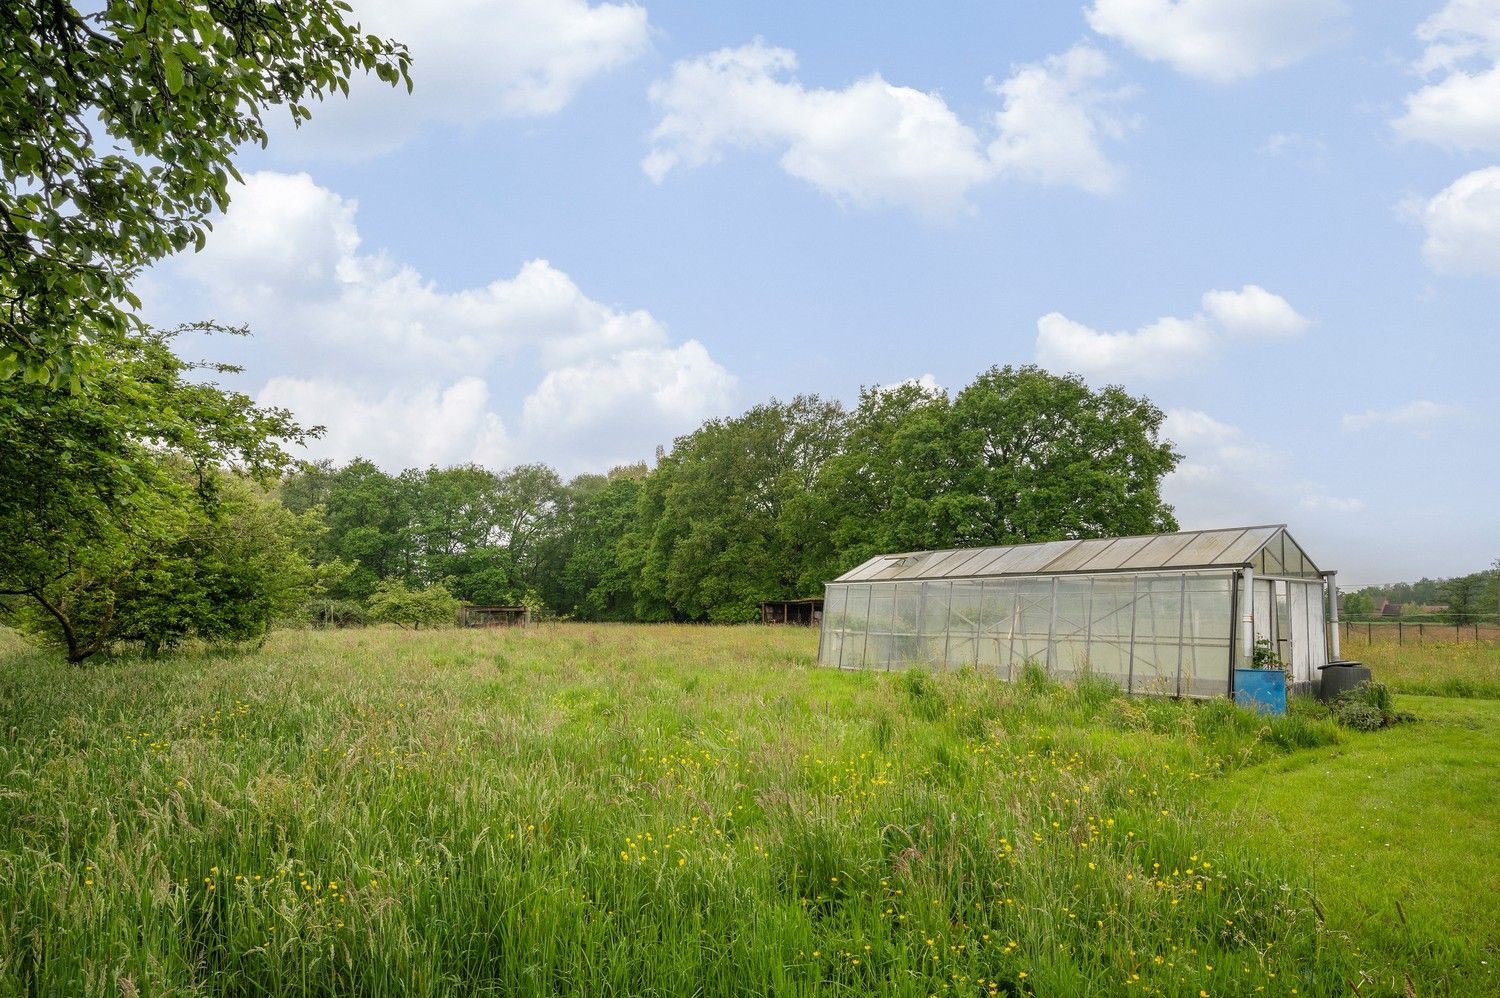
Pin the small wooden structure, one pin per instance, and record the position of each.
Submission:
(798, 612)
(494, 616)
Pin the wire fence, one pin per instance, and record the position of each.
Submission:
(1416, 632)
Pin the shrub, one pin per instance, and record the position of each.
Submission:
(1367, 707)
(1358, 714)
(394, 603)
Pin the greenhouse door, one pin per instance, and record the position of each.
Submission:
(1290, 616)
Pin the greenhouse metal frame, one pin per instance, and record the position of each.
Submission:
(1161, 613)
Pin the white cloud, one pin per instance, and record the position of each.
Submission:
(1155, 350)
(1254, 312)
(1219, 40)
(874, 143)
(403, 427)
(1462, 223)
(1226, 478)
(1170, 346)
(1461, 108)
(395, 365)
(1416, 416)
(473, 61)
(1054, 113)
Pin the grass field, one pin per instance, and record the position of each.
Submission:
(582, 809)
(1451, 669)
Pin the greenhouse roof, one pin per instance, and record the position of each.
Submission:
(1270, 550)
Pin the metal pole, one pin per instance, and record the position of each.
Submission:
(1052, 657)
(1247, 616)
(1135, 608)
(1234, 603)
(1334, 651)
(1181, 624)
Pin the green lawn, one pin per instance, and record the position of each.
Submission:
(583, 809)
(1398, 833)
(1438, 668)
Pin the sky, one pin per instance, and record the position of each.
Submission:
(592, 226)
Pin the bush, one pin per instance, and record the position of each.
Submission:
(1358, 714)
(1367, 707)
(394, 603)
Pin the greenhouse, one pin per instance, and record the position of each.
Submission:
(1173, 614)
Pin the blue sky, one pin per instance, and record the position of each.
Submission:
(594, 225)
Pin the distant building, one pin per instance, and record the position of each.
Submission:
(803, 612)
(1386, 608)
(494, 616)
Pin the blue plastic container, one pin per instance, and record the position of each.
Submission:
(1262, 690)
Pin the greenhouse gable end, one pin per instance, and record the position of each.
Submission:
(1166, 613)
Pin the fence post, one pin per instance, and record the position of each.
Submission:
(1400, 633)
(1421, 632)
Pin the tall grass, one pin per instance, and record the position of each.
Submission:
(1448, 669)
(626, 810)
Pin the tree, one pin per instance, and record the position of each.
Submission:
(1018, 456)
(718, 528)
(584, 575)
(120, 122)
(111, 485)
(1463, 595)
(368, 515)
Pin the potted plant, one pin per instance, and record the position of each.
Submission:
(1262, 686)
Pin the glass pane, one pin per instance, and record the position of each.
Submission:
(963, 622)
(1205, 662)
(1070, 640)
(1033, 619)
(1110, 614)
(933, 647)
(878, 645)
(997, 619)
(905, 620)
(1158, 616)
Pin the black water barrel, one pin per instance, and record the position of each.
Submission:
(1341, 676)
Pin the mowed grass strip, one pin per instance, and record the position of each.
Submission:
(579, 809)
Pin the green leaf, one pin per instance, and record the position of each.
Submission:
(173, 67)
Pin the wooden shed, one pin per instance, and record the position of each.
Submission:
(494, 616)
(799, 612)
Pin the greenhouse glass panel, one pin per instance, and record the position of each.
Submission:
(997, 620)
(1033, 624)
(1112, 610)
(906, 619)
(1071, 627)
(933, 624)
(1205, 659)
(963, 623)
(878, 642)
(831, 644)
(1158, 619)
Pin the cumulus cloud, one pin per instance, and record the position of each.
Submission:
(395, 365)
(874, 143)
(473, 62)
(1219, 40)
(1152, 351)
(1254, 312)
(1227, 478)
(1416, 416)
(401, 427)
(1169, 346)
(1462, 223)
(1460, 107)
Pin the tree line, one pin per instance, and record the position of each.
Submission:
(161, 507)
(769, 504)
(1465, 599)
